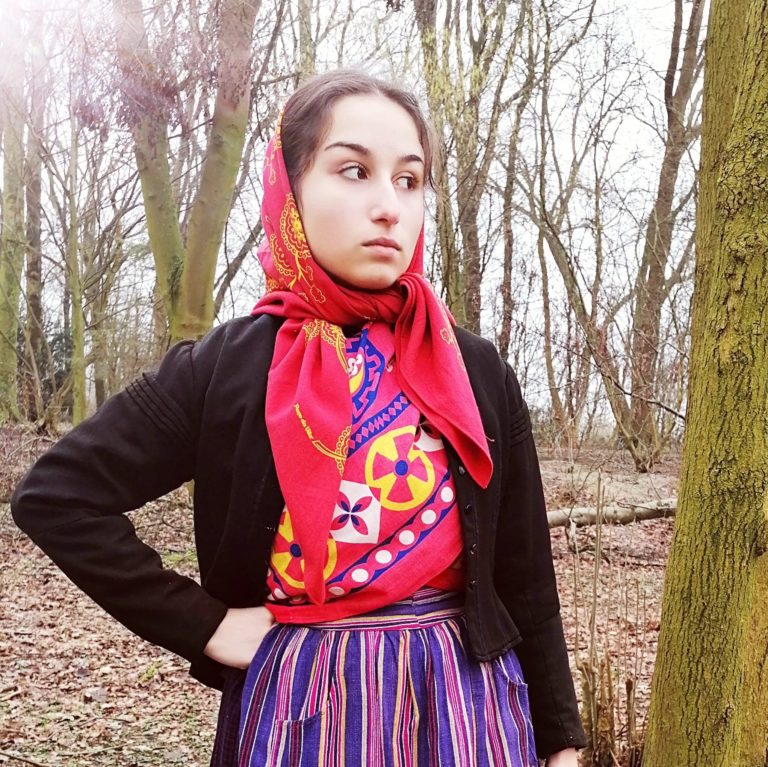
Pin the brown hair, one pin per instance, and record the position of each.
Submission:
(307, 117)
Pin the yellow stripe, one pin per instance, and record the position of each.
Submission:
(398, 703)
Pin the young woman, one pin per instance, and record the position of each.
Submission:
(377, 579)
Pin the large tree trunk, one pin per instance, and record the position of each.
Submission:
(754, 694)
(150, 141)
(194, 312)
(706, 673)
(185, 273)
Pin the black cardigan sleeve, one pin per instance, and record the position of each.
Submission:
(527, 586)
(138, 446)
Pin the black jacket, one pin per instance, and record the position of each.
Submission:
(200, 415)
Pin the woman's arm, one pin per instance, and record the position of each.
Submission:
(138, 446)
(527, 586)
(566, 758)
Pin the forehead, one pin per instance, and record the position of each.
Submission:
(376, 122)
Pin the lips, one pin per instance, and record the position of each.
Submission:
(385, 242)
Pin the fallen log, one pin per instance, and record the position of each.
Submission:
(617, 514)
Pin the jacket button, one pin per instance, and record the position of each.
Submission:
(468, 508)
(472, 583)
(473, 548)
(462, 470)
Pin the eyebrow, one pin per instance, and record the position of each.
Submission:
(360, 149)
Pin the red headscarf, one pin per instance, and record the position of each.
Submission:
(308, 403)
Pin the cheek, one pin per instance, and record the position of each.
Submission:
(327, 218)
(415, 223)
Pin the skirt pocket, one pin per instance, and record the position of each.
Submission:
(305, 677)
(512, 682)
(287, 690)
(509, 666)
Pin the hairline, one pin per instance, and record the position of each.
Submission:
(360, 149)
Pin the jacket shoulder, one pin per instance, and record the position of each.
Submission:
(252, 335)
(479, 352)
(239, 330)
(183, 376)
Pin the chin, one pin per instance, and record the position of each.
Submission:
(363, 282)
(378, 284)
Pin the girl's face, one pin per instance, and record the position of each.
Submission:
(362, 199)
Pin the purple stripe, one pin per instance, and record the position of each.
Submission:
(377, 695)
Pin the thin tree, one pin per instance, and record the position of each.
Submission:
(466, 70)
(13, 239)
(34, 358)
(550, 207)
(653, 284)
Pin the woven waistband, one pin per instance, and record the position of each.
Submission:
(425, 607)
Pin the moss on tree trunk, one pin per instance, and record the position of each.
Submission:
(706, 695)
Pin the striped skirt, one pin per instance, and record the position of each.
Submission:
(393, 687)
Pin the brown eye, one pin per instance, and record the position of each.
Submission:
(359, 172)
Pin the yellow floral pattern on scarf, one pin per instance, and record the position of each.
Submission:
(296, 265)
(328, 332)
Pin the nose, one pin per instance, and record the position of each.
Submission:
(385, 205)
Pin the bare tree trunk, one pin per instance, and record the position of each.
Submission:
(185, 274)
(595, 322)
(754, 691)
(565, 424)
(98, 300)
(435, 64)
(12, 243)
(306, 43)
(195, 311)
(36, 367)
(596, 339)
(99, 346)
(523, 100)
(150, 136)
(715, 585)
(456, 91)
(77, 370)
(160, 330)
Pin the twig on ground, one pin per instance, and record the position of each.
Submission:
(23, 759)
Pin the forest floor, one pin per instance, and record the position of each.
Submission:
(79, 690)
